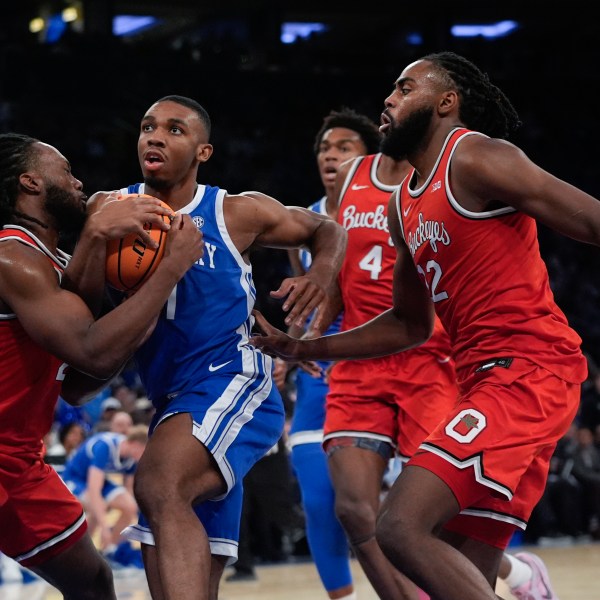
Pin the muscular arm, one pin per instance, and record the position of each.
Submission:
(61, 322)
(407, 324)
(259, 219)
(487, 173)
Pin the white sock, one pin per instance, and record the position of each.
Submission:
(519, 573)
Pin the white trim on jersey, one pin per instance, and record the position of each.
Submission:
(351, 171)
(55, 540)
(385, 187)
(457, 207)
(473, 461)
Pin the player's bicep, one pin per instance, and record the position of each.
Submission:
(288, 226)
(52, 317)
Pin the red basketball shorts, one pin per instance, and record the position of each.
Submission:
(40, 517)
(399, 399)
(494, 448)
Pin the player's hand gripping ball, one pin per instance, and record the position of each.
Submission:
(129, 261)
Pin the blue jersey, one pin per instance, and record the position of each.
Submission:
(206, 323)
(309, 413)
(199, 361)
(101, 451)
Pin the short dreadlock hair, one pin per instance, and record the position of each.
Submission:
(348, 118)
(17, 155)
(483, 106)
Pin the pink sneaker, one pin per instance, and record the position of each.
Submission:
(538, 587)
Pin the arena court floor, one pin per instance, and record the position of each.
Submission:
(575, 572)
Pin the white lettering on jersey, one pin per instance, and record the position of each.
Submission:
(427, 231)
(209, 253)
(370, 220)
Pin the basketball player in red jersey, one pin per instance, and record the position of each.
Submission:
(43, 328)
(464, 226)
(369, 417)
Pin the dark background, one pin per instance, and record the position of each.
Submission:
(86, 93)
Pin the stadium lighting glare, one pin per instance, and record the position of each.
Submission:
(291, 31)
(69, 14)
(130, 24)
(36, 25)
(490, 31)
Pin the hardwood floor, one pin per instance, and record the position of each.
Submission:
(574, 569)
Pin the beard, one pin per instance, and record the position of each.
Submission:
(403, 138)
(66, 210)
(155, 183)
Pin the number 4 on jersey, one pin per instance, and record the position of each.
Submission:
(371, 261)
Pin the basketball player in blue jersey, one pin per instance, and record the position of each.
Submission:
(87, 474)
(343, 135)
(217, 410)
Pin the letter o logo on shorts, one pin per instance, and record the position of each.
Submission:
(466, 425)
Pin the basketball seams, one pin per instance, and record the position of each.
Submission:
(122, 258)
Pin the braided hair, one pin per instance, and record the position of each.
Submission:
(483, 106)
(17, 154)
(350, 119)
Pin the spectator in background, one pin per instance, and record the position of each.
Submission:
(143, 411)
(89, 474)
(121, 422)
(70, 436)
(107, 410)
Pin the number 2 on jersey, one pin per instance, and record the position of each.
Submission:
(432, 280)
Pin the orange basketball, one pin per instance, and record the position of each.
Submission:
(129, 261)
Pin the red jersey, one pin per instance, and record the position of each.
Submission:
(29, 376)
(487, 279)
(366, 276)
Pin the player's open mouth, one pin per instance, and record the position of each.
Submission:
(153, 161)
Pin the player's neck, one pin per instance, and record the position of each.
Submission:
(46, 233)
(177, 196)
(390, 171)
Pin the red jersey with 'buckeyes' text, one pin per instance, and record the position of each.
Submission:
(486, 276)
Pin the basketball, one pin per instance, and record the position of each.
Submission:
(129, 262)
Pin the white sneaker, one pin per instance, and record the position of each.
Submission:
(538, 587)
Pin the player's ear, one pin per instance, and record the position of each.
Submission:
(204, 152)
(448, 102)
(31, 182)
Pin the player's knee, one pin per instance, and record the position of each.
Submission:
(393, 533)
(355, 515)
(151, 493)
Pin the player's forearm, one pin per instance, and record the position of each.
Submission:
(114, 338)
(327, 248)
(383, 335)
(78, 388)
